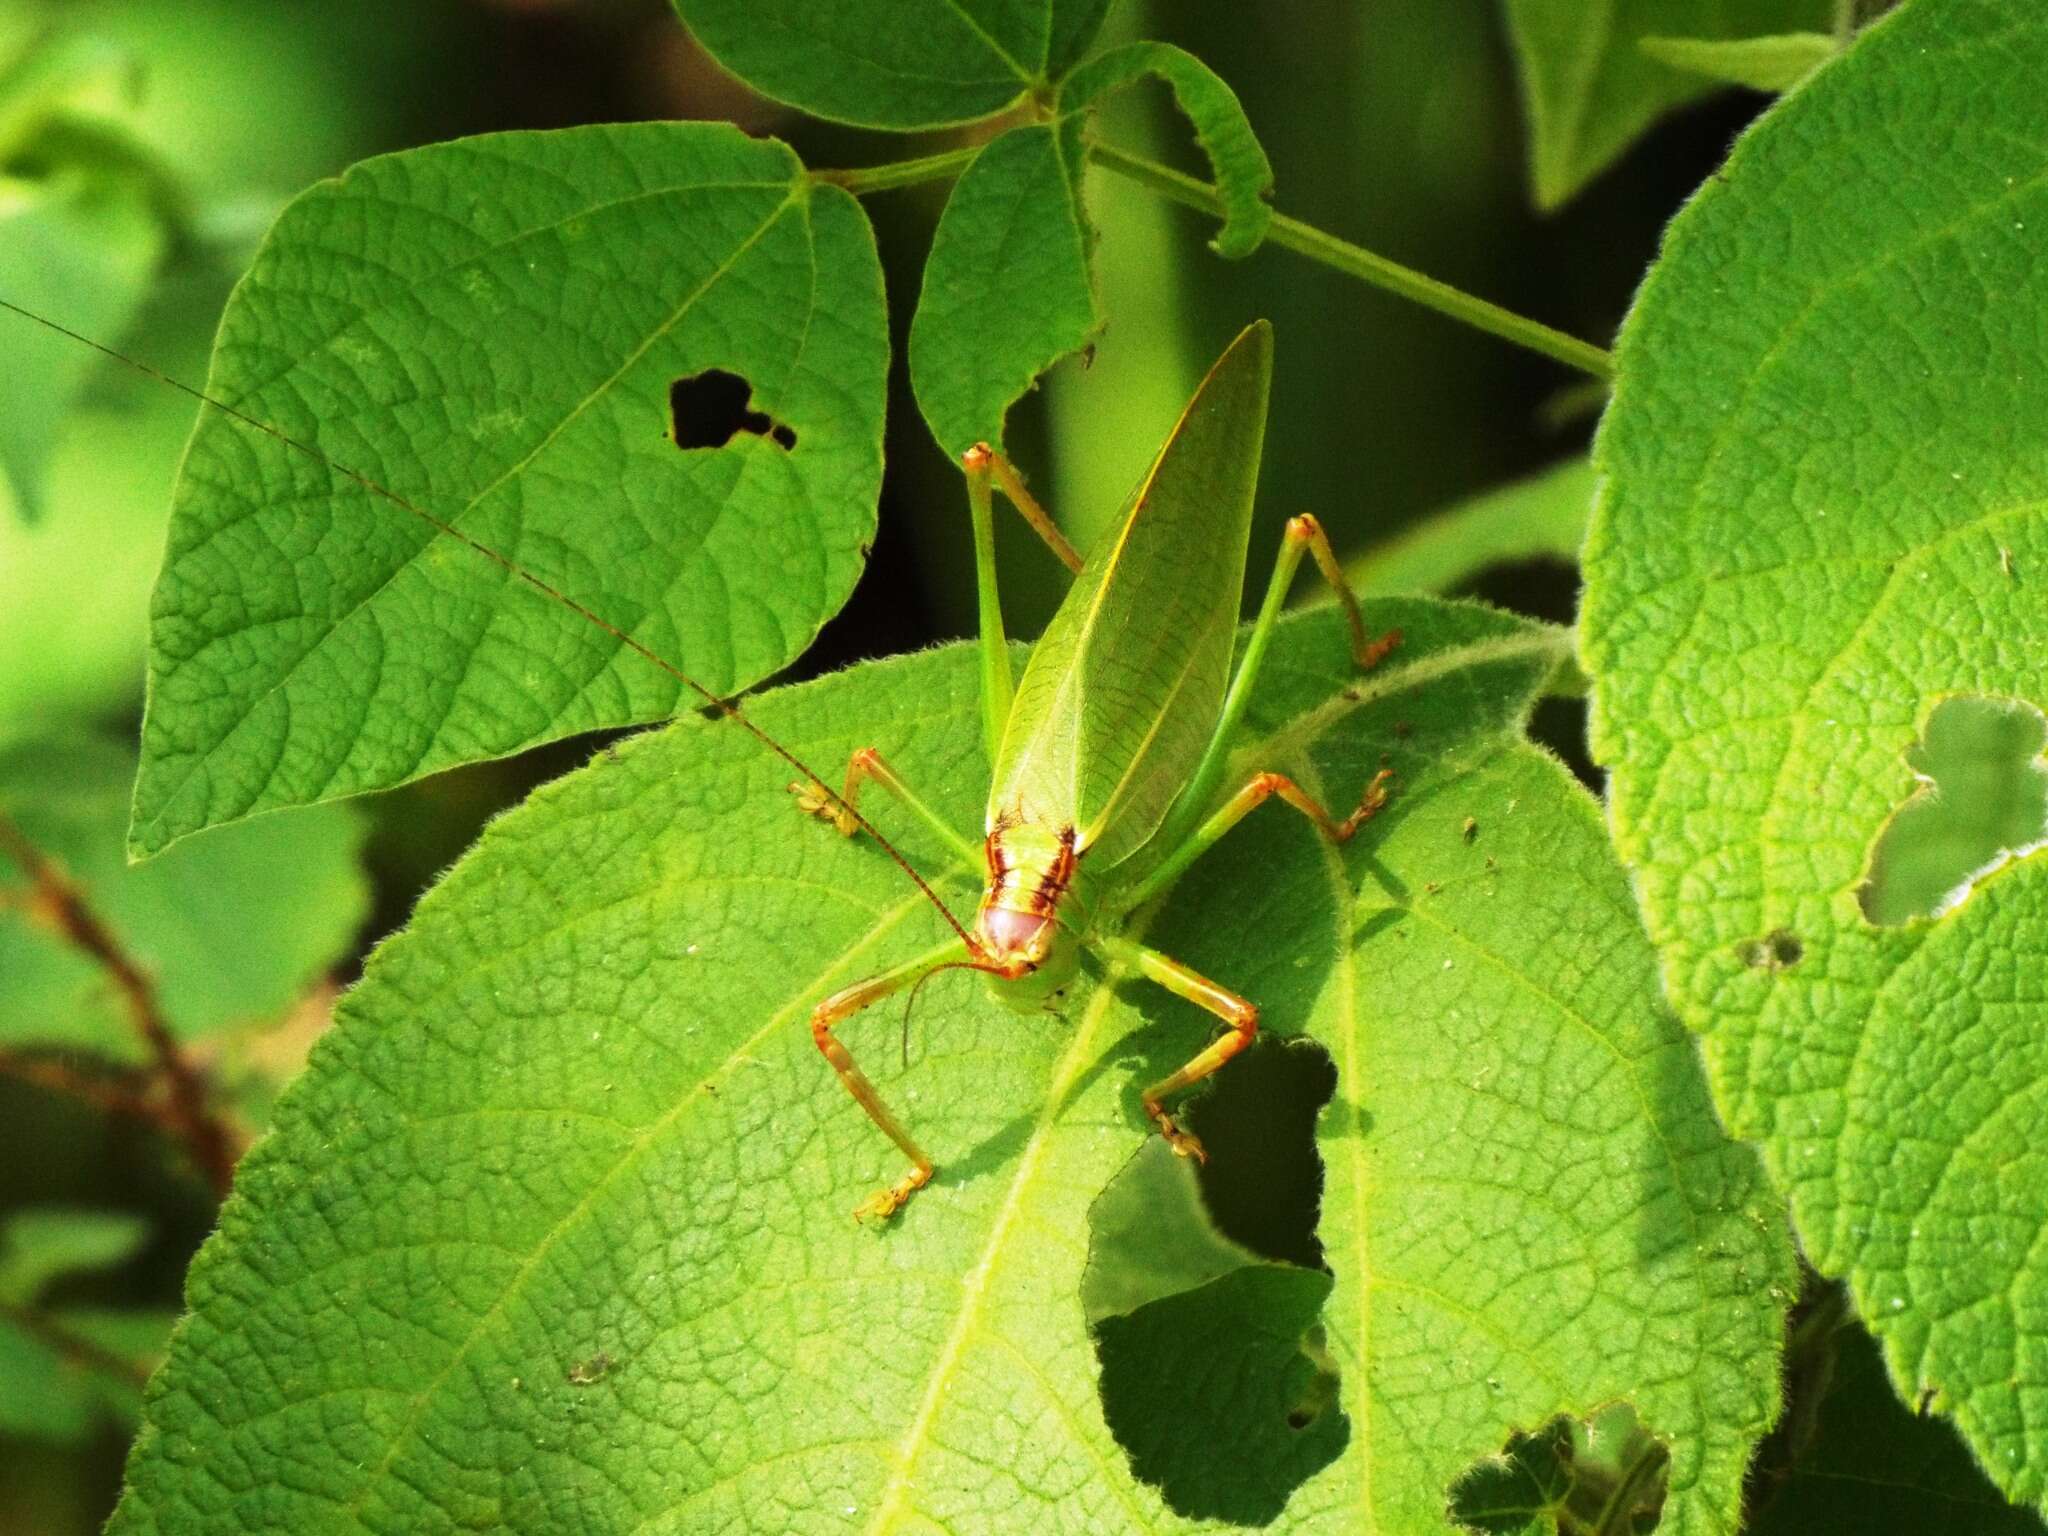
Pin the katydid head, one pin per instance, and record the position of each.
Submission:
(1033, 914)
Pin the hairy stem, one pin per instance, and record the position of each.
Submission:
(61, 907)
(1368, 266)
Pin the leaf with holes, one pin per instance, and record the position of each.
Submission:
(230, 930)
(643, 363)
(899, 64)
(1589, 89)
(1822, 519)
(568, 1181)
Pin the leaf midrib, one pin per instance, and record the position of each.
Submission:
(916, 1436)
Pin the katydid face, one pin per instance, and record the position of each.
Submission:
(1033, 916)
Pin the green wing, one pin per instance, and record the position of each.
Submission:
(1125, 687)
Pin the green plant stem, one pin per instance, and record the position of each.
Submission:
(1303, 239)
(1369, 267)
(861, 180)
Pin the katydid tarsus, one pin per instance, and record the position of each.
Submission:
(1107, 755)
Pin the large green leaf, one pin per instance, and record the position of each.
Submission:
(553, 1233)
(1826, 466)
(1589, 88)
(896, 63)
(493, 329)
(230, 929)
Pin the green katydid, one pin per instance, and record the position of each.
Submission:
(1108, 752)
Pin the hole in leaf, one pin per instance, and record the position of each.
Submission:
(709, 409)
(1605, 1475)
(1982, 801)
(1263, 1182)
(1778, 950)
(1203, 1341)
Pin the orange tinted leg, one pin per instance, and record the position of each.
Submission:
(866, 764)
(836, 1010)
(1242, 1017)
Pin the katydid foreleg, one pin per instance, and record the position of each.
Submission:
(865, 764)
(836, 1010)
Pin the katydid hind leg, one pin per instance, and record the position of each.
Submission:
(1304, 536)
(1255, 792)
(836, 1010)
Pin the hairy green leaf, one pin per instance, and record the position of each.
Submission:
(1588, 88)
(1543, 515)
(229, 930)
(553, 1233)
(1773, 64)
(526, 336)
(896, 63)
(1822, 516)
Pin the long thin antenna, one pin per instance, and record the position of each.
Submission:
(725, 707)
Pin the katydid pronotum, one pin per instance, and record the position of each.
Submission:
(1107, 754)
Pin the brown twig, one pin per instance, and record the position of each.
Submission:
(74, 1347)
(103, 1085)
(61, 907)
